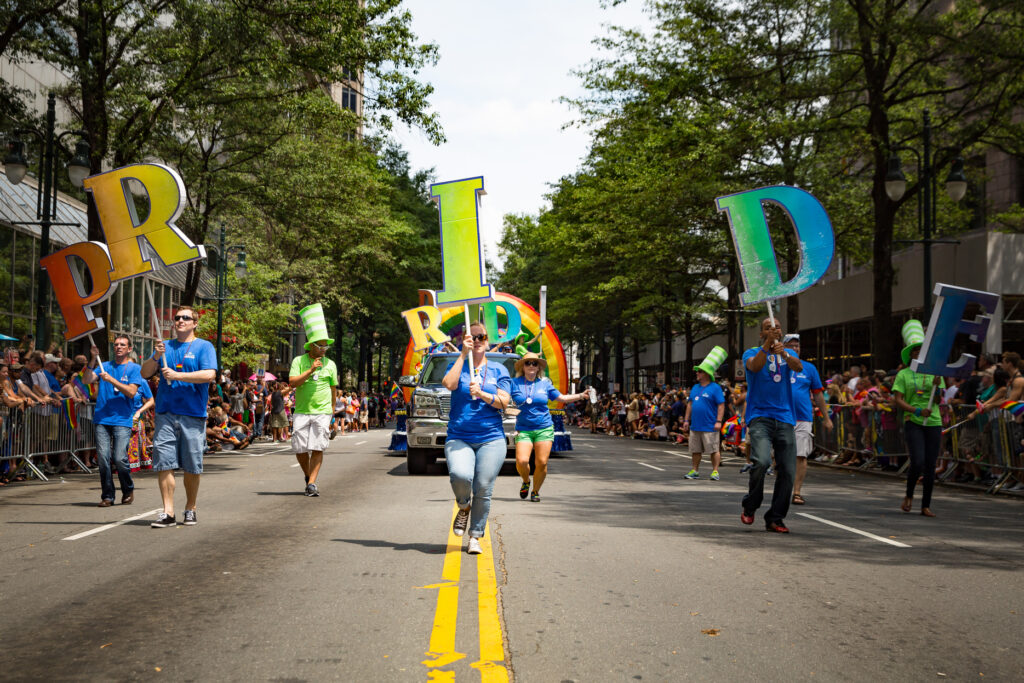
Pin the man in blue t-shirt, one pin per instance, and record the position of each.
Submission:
(770, 424)
(807, 387)
(119, 381)
(187, 365)
(704, 414)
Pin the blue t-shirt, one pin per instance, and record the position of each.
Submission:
(475, 421)
(142, 395)
(54, 384)
(185, 398)
(769, 392)
(113, 407)
(804, 382)
(705, 402)
(532, 400)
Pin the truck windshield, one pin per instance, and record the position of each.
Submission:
(434, 372)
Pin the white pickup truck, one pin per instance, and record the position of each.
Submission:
(427, 422)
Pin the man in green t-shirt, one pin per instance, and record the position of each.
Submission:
(315, 380)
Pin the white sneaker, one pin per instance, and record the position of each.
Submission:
(474, 547)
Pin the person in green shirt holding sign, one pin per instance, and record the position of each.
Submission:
(315, 380)
(922, 426)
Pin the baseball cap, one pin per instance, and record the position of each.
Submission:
(790, 337)
(50, 358)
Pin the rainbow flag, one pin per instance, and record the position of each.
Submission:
(70, 412)
(395, 391)
(1015, 407)
(89, 390)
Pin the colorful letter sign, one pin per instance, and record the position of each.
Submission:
(946, 321)
(758, 262)
(131, 243)
(462, 255)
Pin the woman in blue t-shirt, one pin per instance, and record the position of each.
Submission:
(475, 447)
(531, 391)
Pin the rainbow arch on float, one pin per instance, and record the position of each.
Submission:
(550, 344)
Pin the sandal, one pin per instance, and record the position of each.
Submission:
(798, 499)
(907, 503)
(927, 512)
(524, 490)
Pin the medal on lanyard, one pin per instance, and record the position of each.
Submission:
(529, 399)
(476, 377)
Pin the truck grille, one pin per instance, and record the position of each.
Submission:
(446, 405)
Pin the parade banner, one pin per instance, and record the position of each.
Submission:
(131, 243)
(452, 323)
(946, 322)
(757, 258)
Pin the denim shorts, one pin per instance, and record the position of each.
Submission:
(178, 443)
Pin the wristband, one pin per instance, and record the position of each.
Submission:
(917, 412)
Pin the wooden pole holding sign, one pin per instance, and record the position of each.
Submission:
(148, 286)
(543, 306)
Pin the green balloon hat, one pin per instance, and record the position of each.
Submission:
(913, 337)
(711, 362)
(312, 317)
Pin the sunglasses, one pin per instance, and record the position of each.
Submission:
(322, 345)
(186, 318)
(531, 363)
(479, 337)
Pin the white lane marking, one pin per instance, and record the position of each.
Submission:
(360, 443)
(295, 465)
(651, 466)
(590, 445)
(856, 531)
(111, 526)
(681, 455)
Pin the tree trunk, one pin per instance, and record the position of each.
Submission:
(620, 356)
(361, 367)
(667, 334)
(604, 357)
(689, 363)
(636, 362)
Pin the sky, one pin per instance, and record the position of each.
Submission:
(503, 67)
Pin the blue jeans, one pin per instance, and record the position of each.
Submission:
(112, 445)
(766, 434)
(923, 444)
(472, 468)
(257, 429)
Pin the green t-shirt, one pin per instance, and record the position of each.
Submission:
(914, 386)
(313, 397)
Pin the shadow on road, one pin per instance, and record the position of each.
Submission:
(427, 548)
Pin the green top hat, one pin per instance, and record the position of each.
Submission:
(712, 361)
(913, 337)
(316, 327)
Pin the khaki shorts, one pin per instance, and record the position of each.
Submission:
(804, 439)
(310, 432)
(278, 421)
(703, 442)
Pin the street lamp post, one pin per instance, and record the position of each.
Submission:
(896, 185)
(222, 285)
(16, 166)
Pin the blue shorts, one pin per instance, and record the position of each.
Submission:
(178, 443)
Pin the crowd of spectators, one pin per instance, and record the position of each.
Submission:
(240, 412)
(861, 401)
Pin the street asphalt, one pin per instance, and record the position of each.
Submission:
(623, 572)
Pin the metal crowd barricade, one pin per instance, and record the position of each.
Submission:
(988, 447)
(40, 431)
(871, 437)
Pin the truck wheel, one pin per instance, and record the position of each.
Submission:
(418, 460)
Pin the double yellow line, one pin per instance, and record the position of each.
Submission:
(491, 664)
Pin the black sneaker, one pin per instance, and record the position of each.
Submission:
(312, 491)
(164, 520)
(461, 522)
(190, 518)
